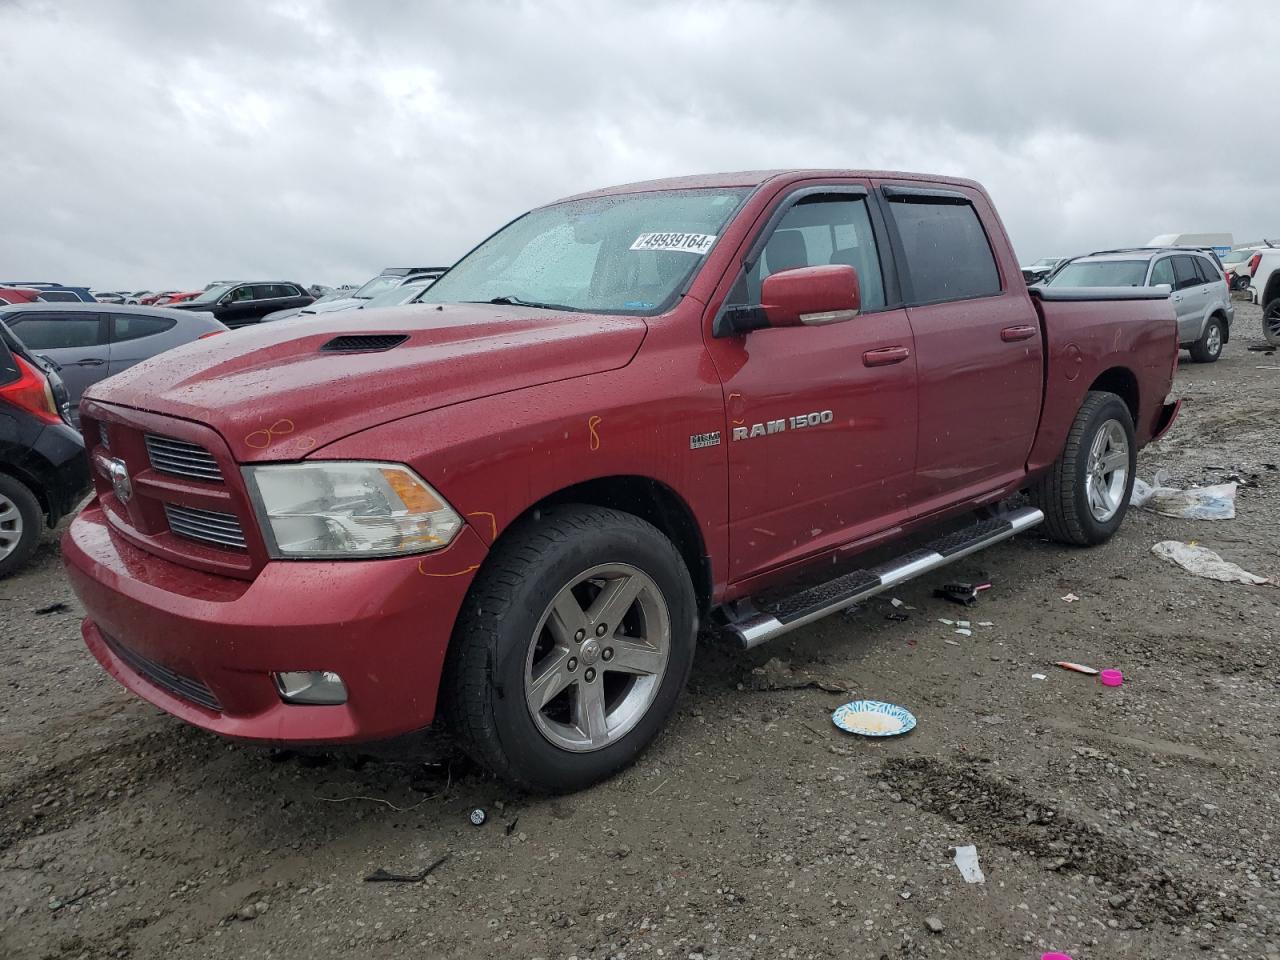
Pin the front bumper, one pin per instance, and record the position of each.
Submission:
(203, 647)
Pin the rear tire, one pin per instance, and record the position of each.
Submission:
(1271, 322)
(551, 685)
(21, 521)
(1239, 283)
(1083, 496)
(1209, 347)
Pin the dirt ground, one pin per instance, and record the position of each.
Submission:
(1142, 821)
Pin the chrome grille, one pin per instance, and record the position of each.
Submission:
(187, 688)
(208, 526)
(103, 436)
(181, 458)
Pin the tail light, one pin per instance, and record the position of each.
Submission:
(31, 392)
(1227, 277)
(1253, 263)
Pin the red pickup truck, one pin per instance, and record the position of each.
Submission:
(621, 416)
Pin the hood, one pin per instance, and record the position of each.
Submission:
(333, 306)
(245, 382)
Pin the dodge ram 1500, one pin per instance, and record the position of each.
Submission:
(752, 398)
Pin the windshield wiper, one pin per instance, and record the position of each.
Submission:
(517, 302)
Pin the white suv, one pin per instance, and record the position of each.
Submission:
(1200, 294)
(1265, 290)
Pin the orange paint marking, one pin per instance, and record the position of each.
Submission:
(277, 429)
(592, 423)
(493, 521)
(460, 573)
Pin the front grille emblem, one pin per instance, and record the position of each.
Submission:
(120, 481)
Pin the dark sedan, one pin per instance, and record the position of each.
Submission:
(240, 304)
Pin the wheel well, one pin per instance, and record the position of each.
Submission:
(1226, 327)
(1123, 384)
(655, 503)
(1272, 290)
(27, 481)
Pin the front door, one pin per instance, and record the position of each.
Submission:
(820, 421)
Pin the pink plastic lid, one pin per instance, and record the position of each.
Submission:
(1109, 678)
(1055, 956)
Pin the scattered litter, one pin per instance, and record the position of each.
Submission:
(965, 632)
(1217, 502)
(897, 616)
(954, 643)
(896, 602)
(1038, 676)
(778, 674)
(1205, 563)
(1077, 667)
(510, 828)
(1111, 678)
(985, 623)
(967, 861)
(949, 623)
(1070, 598)
(478, 816)
(1055, 955)
(1262, 348)
(384, 876)
(51, 608)
(965, 594)
(964, 624)
(873, 718)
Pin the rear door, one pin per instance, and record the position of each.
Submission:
(820, 420)
(136, 337)
(979, 348)
(1189, 297)
(242, 306)
(76, 342)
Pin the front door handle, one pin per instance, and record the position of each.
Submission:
(885, 356)
(1014, 334)
(91, 362)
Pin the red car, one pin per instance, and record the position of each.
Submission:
(621, 416)
(170, 298)
(18, 295)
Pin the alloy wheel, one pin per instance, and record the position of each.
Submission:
(1108, 467)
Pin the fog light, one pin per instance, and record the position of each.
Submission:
(311, 686)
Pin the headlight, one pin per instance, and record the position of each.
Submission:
(345, 509)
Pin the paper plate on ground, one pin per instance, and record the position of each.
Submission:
(873, 718)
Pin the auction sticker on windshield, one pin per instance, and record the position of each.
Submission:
(698, 243)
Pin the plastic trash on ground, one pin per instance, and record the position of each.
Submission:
(967, 862)
(1205, 563)
(1217, 502)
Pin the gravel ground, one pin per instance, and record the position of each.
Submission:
(1141, 821)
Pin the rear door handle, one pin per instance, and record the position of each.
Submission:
(1014, 334)
(91, 362)
(884, 356)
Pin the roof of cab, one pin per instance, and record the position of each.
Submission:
(755, 178)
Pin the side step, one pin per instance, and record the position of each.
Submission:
(835, 595)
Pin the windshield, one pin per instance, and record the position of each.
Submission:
(397, 296)
(627, 253)
(1101, 273)
(213, 293)
(1045, 262)
(1237, 256)
(377, 285)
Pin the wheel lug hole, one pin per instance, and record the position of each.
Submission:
(606, 654)
(580, 636)
(602, 629)
(589, 675)
(572, 664)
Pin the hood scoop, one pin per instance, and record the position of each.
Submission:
(364, 342)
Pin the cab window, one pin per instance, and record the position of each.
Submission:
(948, 255)
(57, 332)
(817, 231)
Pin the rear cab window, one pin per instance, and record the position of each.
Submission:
(1102, 273)
(947, 252)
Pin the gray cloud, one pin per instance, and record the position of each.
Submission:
(168, 144)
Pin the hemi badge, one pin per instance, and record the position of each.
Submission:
(699, 440)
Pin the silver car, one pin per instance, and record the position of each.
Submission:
(89, 342)
(1200, 294)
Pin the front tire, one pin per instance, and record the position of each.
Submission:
(572, 648)
(1085, 494)
(1209, 347)
(21, 520)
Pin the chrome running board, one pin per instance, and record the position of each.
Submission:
(844, 591)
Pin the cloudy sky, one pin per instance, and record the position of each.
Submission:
(165, 144)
